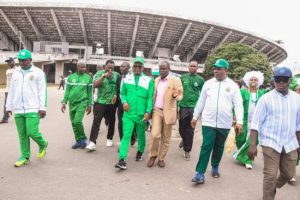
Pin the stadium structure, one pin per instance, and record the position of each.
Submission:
(61, 34)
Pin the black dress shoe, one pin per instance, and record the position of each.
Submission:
(139, 156)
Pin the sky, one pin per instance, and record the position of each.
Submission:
(272, 19)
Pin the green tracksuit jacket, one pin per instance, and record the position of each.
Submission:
(79, 94)
(137, 91)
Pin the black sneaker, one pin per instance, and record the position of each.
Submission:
(139, 156)
(121, 164)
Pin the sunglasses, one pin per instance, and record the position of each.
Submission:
(22, 60)
(281, 79)
(137, 66)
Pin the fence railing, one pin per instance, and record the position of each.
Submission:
(39, 57)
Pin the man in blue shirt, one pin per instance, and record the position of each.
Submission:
(276, 121)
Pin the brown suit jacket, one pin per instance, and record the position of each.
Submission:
(170, 103)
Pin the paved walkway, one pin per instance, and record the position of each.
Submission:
(75, 174)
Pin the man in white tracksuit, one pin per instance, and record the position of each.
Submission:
(27, 98)
(219, 96)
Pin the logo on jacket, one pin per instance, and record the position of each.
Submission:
(73, 80)
(196, 84)
(228, 89)
(31, 77)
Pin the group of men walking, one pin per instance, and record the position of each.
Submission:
(272, 118)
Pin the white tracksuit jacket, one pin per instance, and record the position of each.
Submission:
(27, 92)
(216, 103)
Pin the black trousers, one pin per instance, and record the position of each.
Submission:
(120, 123)
(5, 115)
(100, 111)
(185, 129)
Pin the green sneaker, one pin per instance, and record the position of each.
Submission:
(21, 162)
(42, 151)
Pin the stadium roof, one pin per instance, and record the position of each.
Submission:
(123, 31)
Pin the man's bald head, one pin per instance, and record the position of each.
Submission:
(124, 68)
(81, 67)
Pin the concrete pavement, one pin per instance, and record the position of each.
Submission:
(76, 174)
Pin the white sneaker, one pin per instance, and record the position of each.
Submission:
(292, 181)
(109, 143)
(187, 156)
(248, 166)
(91, 146)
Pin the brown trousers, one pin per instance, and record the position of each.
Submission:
(161, 135)
(285, 162)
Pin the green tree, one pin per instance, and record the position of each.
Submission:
(242, 58)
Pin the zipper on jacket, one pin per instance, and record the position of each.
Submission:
(23, 90)
(136, 92)
(218, 105)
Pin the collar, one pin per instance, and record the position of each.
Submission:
(224, 80)
(27, 70)
(166, 78)
(281, 95)
(141, 75)
(124, 75)
(190, 74)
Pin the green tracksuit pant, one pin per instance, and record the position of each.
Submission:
(76, 113)
(213, 141)
(28, 127)
(241, 139)
(129, 121)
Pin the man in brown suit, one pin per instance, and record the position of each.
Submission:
(168, 90)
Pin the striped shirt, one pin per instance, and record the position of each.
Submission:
(277, 118)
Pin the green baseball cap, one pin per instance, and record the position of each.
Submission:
(221, 63)
(24, 54)
(155, 71)
(139, 60)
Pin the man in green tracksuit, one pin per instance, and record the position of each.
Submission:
(27, 98)
(80, 97)
(192, 85)
(137, 99)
